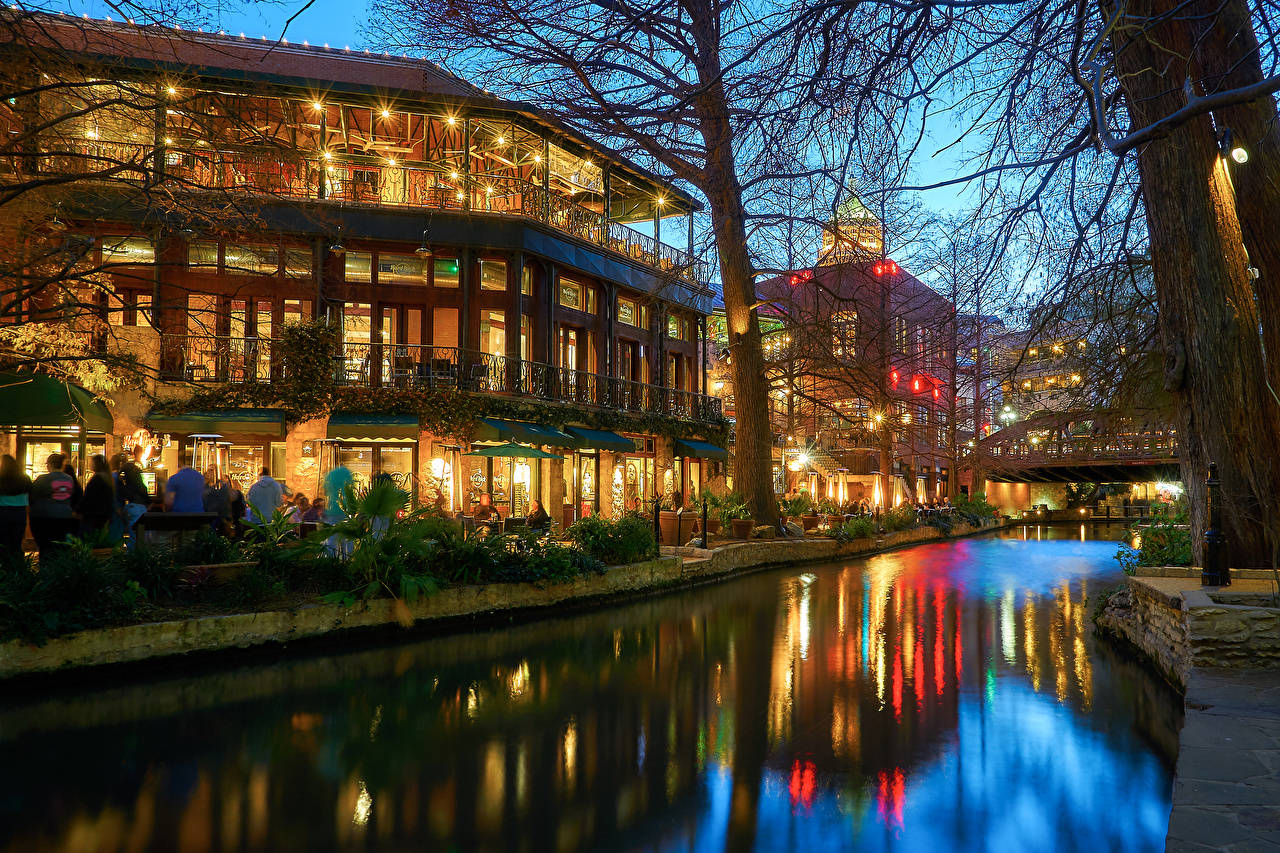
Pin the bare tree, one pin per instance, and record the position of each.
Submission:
(695, 88)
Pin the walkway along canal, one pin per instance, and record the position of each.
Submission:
(948, 696)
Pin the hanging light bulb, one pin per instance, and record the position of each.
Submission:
(424, 251)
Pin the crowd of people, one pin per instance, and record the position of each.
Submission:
(114, 497)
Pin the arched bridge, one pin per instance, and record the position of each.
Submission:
(1081, 447)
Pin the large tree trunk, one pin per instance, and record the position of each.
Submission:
(753, 448)
(1227, 51)
(1208, 319)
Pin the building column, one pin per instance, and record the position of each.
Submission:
(468, 318)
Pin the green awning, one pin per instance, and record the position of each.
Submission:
(34, 399)
(688, 447)
(601, 439)
(493, 429)
(350, 426)
(512, 451)
(221, 422)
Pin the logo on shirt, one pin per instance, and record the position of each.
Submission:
(61, 490)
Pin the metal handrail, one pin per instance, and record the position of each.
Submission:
(225, 358)
(277, 174)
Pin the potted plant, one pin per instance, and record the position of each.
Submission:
(668, 520)
(714, 502)
(801, 509)
(735, 516)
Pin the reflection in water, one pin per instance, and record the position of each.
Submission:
(947, 696)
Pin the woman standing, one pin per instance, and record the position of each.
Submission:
(15, 491)
(98, 505)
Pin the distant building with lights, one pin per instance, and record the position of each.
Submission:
(861, 359)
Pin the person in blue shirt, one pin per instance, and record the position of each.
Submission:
(184, 491)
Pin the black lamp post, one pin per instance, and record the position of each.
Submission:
(1215, 571)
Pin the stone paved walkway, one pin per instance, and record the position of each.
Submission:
(1226, 794)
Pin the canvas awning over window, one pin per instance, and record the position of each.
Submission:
(689, 447)
(601, 439)
(348, 426)
(523, 432)
(268, 422)
(34, 399)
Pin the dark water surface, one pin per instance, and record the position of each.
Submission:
(949, 696)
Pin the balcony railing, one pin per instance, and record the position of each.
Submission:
(373, 183)
(230, 359)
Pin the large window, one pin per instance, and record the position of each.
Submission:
(844, 333)
(632, 312)
(493, 332)
(445, 272)
(678, 328)
(358, 266)
(493, 275)
(252, 258)
(127, 250)
(297, 262)
(578, 296)
(401, 269)
(202, 256)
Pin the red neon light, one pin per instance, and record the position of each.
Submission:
(893, 377)
(915, 384)
(804, 780)
(935, 393)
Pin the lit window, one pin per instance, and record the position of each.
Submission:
(401, 269)
(252, 258)
(127, 250)
(493, 275)
(445, 272)
(358, 266)
(633, 313)
(576, 295)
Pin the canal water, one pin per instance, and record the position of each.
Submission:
(949, 696)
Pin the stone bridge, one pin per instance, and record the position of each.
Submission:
(1081, 447)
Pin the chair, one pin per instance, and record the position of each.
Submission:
(479, 378)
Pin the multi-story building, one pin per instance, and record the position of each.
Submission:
(861, 358)
(468, 270)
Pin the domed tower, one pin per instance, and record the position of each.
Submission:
(853, 234)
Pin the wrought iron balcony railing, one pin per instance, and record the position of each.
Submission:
(352, 180)
(228, 359)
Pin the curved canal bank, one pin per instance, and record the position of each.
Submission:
(458, 607)
(949, 695)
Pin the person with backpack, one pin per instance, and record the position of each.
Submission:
(52, 513)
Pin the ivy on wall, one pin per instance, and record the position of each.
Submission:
(306, 389)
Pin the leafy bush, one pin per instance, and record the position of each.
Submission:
(614, 542)
(72, 591)
(1165, 540)
(801, 504)
(827, 506)
(858, 527)
(974, 508)
(207, 547)
(901, 517)
(731, 506)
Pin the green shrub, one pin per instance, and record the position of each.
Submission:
(614, 542)
(974, 508)
(858, 527)
(801, 504)
(1165, 540)
(72, 591)
(901, 517)
(206, 547)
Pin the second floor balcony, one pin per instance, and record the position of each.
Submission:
(402, 366)
(359, 181)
